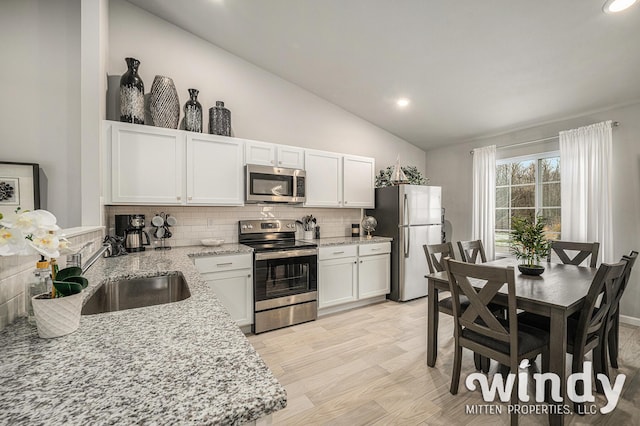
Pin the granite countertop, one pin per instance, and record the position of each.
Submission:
(342, 241)
(182, 362)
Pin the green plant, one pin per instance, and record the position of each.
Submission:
(383, 178)
(527, 241)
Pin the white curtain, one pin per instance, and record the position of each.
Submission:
(484, 198)
(585, 174)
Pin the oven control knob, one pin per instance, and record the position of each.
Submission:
(244, 226)
(250, 226)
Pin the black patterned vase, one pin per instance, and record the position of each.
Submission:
(193, 113)
(219, 120)
(132, 94)
(164, 103)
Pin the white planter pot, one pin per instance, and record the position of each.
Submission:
(57, 317)
(308, 235)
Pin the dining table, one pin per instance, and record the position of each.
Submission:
(559, 292)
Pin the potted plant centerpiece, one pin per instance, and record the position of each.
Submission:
(57, 311)
(528, 243)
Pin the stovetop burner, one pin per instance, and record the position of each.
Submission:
(270, 235)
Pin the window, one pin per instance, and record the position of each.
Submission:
(524, 186)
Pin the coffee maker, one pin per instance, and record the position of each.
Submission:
(131, 228)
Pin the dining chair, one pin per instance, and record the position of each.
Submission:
(436, 253)
(586, 331)
(561, 249)
(479, 329)
(469, 251)
(611, 333)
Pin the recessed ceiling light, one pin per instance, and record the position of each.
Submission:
(402, 102)
(614, 6)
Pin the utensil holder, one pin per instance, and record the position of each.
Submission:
(308, 235)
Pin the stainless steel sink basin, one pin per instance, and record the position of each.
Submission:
(137, 293)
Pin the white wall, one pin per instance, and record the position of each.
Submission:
(40, 103)
(451, 167)
(263, 106)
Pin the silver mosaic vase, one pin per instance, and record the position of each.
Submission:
(164, 103)
(193, 113)
(219, 120)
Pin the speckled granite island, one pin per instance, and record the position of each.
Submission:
(182, 362)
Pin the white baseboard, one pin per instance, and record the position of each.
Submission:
(630, 320)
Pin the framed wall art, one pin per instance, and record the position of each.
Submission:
(19, 186)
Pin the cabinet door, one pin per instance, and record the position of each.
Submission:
(374, 276)
(324, 179)
(147, 165)
(337, 281)
(263, 154)
(359, 181)
(214, 171)
(290, 157)
(234, 289)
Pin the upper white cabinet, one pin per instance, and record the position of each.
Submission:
(268, 154)
(147, 165)
(324, 179)
(335, 180)
(358, 181)
(214, 170)
(152, 165)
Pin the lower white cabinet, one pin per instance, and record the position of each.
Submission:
(230, 278)
(353, 272)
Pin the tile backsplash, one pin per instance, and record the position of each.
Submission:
(16, 273)
(197, 223)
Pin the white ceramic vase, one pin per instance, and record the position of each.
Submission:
(57, 317)
(308, 235)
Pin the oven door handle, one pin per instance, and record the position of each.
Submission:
(285, 254)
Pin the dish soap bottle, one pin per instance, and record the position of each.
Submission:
(41, 283)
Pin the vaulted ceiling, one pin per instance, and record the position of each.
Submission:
(469, 68)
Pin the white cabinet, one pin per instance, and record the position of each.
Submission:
(268, 154)
(324, 179)
(214, 171)
(352, 273)
(337, 275)
(358, 182)
(230, 278)
(147, 165)
(151, 165)
(335, 180)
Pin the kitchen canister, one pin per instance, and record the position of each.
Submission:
(193, 113)
(355, 229)
(219, 120)
(132, 94)
(164, 104)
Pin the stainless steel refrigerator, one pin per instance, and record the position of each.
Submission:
(412, 216)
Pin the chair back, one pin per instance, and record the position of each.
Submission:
(561, 249)
(621, 284)
(469, 251)
(592, 321)
(436, 253)
(480, 283)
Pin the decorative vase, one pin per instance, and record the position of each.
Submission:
(132, 94)
(164, 103)
(219, 120)
(531, 269)
(193, 113)
(57, 317)
(308, 235)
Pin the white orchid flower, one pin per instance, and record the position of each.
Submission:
(46, 244)
(65, 246)
(11, 241)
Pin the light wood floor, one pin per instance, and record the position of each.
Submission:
(368, 367)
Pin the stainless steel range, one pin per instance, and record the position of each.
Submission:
(285, 274)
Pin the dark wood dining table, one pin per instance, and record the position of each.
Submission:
(557, 293)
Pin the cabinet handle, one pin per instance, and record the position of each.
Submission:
(279, 162)
(178, 198)
(224, 264)
(361, 261)
(190, 198)
(375, 249)
(338, 252)
(249, 276)
(354, 262)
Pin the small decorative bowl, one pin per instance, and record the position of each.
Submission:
(531, 270)
(211, 242)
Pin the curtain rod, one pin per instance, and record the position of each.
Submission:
(613, 124)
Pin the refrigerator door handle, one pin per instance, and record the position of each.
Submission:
(407, 246)
(407, 240)
(406, 209)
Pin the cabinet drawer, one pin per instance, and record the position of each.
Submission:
(223, 262)
(336, 252)
(376, 248)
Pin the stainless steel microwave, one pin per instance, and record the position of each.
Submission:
(275, 185)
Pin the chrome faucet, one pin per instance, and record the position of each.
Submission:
(95, 256)
(76, 258)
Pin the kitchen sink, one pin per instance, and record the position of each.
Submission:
(137, 293)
